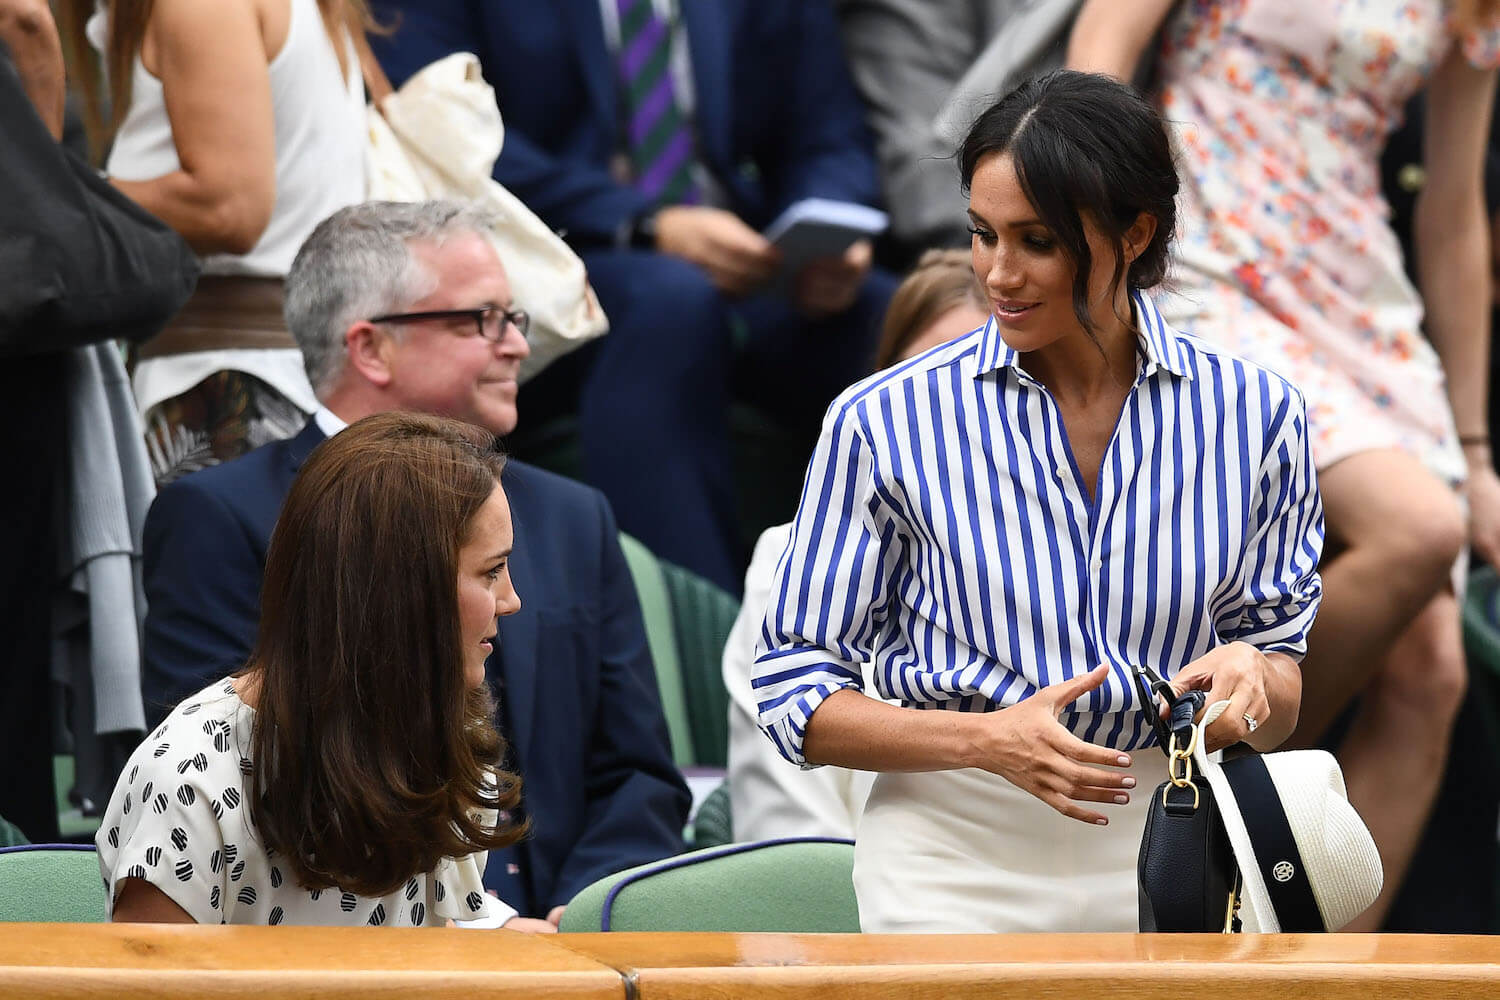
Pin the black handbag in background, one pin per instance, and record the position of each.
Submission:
(80, 263)
(1187, 875)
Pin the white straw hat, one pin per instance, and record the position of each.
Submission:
(1307, 860)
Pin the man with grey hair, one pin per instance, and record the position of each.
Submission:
(407, 307)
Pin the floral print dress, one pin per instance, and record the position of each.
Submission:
(1281, 109)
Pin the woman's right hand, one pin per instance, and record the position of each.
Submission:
(1026, 745)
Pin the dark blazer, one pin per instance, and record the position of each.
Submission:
(776, 115)
(578, 693)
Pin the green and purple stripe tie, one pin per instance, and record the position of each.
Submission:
(658, 139)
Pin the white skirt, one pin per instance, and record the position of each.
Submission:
(968, 852)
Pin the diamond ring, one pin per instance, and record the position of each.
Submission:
(1251, 723)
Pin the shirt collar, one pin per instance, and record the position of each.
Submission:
(328, 422)
(1162, 345)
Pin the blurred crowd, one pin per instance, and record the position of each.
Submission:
(198, 291)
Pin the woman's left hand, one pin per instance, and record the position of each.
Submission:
(529, 925)
(1484, 506)
(1238, 673)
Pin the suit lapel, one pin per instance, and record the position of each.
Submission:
(515, 661)
(708, 40)
(594, 59)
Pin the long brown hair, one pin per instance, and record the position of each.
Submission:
(941, 280)
(127, 22)
(370, 754)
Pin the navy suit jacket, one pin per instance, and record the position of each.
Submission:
(579, 701)
(776, 114)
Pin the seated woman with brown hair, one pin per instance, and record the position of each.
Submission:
(349, 774)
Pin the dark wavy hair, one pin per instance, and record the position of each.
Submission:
(370, 753)
(1085, 145)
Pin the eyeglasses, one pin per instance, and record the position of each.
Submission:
(489, 321)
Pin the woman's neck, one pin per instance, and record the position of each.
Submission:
(247, 687)
(1080, 369)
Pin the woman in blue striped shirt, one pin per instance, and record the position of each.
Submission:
(1004, 525)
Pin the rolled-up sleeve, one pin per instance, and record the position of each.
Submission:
(830, 585)
(1282, 589)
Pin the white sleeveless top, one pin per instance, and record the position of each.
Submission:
(320, 141)
(320, 168)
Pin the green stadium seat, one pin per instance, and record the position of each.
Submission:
(801, 885)
(713, 825)
(687, 622)
(51, 883)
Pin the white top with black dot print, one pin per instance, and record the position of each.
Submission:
(178, 819)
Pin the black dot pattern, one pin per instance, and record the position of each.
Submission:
(182, 814)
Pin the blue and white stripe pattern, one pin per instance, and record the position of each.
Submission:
(945, 536)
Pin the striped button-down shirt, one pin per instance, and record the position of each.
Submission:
(945, 536)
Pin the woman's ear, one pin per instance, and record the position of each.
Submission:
(369, 351)
(1139, 236)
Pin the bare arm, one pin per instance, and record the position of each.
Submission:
(212, 64)
(1452, 251)
(140, 902)
(27, 29)
(1109, 36)
(1025, 744)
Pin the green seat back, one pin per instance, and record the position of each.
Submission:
(703, 615)
(51, 883)
(1481, 621)
(661, 636)
(11, 835)
(802, 885)
(713, 825)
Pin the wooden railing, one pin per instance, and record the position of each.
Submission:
(104, 960)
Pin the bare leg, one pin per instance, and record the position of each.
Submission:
(1396, 530)
(1394, 755)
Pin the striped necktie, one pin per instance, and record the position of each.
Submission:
(657, 136)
